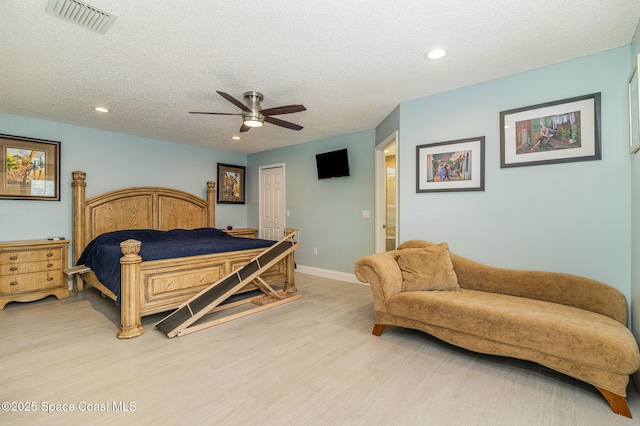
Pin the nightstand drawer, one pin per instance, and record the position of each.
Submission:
(54, 265)
(27, 283)
(29, 256)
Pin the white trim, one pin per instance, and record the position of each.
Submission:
(380, 169)
(284, 195)
(327, 273)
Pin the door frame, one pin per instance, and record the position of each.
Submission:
(380, 198)
(284, 195)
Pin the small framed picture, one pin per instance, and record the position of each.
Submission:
(562, 131)
(231, 184)
(30, 169)
(456, 165)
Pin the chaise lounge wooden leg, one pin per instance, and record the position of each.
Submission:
(617, 403)
(378, 329)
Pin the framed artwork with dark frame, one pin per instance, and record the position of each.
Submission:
(231, 184)
(450, 166)
(30, 169)
(634, 108)
(562, 131)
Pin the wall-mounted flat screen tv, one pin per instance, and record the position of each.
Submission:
(333, 164)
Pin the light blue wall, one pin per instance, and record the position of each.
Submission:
(328, 211)
(572, 217)
(111, 161)
(635, 212)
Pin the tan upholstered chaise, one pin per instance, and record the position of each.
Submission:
(571, 324)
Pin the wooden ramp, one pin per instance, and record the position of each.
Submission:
(181, 321)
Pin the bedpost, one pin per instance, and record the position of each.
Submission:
(211, 204)
(130, 290)
(290, 263)
(79, 185)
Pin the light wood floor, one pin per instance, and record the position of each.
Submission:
(309, 362)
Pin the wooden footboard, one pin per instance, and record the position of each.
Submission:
(162, 285)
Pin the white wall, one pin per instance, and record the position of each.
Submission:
(571, 217)
(111, 161)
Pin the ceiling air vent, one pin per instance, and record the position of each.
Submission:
(82, 14)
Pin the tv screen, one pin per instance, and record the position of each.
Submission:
(333, 164)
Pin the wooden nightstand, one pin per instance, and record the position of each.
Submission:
(242, 232)
(33, 269)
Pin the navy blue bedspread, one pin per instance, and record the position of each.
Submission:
(103, 254)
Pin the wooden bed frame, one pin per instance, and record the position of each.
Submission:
(158, 285)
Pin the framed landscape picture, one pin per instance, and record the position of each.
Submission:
(30, 169)
(231, 184)
(449, 166)
(562, 131)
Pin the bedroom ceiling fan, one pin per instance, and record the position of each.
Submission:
(253, 115)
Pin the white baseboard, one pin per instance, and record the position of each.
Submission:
(328, 273)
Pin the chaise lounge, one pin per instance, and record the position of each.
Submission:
(571, 324)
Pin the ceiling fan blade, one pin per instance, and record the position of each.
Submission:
(282, 123)
(234, 101)
(287, 109)
(244, 128)
(214, 113)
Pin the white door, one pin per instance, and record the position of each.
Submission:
(272, 220)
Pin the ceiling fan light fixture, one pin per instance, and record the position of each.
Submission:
(252, 119)
(250, 122)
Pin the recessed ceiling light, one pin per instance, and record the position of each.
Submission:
(101, 109)
(436, 54)
(235, 138)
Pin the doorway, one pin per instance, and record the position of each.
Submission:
(386, 237)
(272, 202)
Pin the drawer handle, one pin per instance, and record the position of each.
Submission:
(13, 268)
(49, 265)
(49, 278)
(13, 283)
(14, 257)
(49, 254)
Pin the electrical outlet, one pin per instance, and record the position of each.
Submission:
(315, 250)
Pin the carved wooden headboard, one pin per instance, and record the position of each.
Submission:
(143, 207)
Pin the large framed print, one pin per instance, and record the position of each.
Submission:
(634, 109)
(562, 131)
(456, 165)
(231, 184)
(30, 169)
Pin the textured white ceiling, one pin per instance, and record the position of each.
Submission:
(349, 62)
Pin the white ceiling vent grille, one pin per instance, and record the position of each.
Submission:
(82, 14)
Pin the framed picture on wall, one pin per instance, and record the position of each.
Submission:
(231, 184)
(634, 109)
(30, 169)
(561, 131)
(450, 166)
